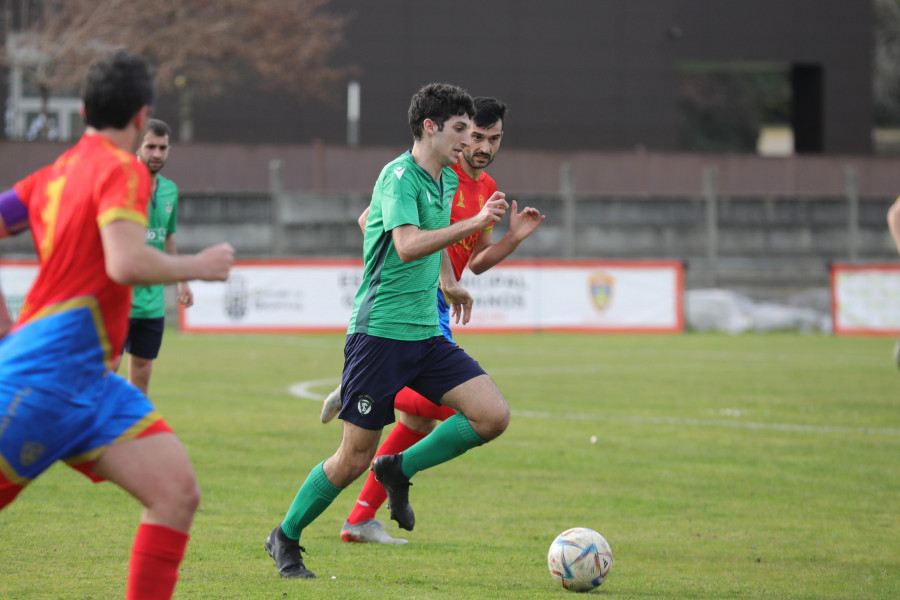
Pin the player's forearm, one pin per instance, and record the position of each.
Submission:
(493, 254)
(150, 266)
(413, 243)
(447, 278)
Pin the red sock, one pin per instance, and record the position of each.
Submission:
(8, 491)
(155, 556)
(373, 495)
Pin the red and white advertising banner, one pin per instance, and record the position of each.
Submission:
(317, 295)
(865, 299)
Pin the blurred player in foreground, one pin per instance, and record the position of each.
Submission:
(893, 219)
(394, 339)
(416, 416)
(148, 303)
(58, 398)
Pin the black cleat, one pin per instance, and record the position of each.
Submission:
(286, 553)
(387, 471)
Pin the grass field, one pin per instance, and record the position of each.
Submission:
(748, 467)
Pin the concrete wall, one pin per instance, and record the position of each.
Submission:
(337, 169)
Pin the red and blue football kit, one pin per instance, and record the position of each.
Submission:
(58, 399)
(468, 202)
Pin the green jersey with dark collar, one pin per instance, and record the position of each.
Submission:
(397, 300)
(148, 301)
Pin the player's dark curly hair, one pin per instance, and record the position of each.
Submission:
(488, 111)
(117, 86)
(159, 128)
(438, 102)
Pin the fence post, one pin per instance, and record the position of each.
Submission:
(567, 192)
(276, 189)
(712, 225)
(851, 187)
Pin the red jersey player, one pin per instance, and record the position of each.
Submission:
(87, 213)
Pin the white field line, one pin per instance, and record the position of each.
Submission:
(679, 422)
(302, 390)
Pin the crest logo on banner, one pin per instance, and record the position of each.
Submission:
(602, 290)
(237, 297)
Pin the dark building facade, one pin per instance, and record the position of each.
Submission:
(577, 74)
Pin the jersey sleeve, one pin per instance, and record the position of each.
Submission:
(14, 206)
(25, 188)
(123, 193)
(399, 200)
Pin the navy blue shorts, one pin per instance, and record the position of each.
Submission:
(376, 368)
(145, 337)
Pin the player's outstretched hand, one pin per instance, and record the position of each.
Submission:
(494, 209)
(522, 224)
(184, 294)
(460, 302)
(216, 261)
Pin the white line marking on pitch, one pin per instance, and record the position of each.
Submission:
(709, 423)
(302, 390)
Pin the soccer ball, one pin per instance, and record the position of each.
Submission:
(579, 559)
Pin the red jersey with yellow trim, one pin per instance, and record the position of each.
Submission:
(68, 202)
(468, 202)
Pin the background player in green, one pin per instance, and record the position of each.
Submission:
(148, 309)
(394, 339)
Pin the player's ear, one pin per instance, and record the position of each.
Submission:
(139, 120)
(429, 126)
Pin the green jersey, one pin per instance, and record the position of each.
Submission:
(149, 301)
(397, 300)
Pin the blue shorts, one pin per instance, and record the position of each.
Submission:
(68, 408)
(444, 315)
(376, 368)
(145, 337)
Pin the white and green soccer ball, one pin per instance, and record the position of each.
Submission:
(579, 559)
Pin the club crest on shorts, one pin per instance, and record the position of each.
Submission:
(364, 404)
(30, 453)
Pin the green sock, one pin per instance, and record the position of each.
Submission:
(449, 439)
(315, 495)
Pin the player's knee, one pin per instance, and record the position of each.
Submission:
(139, 374)
(495, 420)
(180, 499)
(423, 425)
(347, 467)
(187, 494)
(191, 497)
(499, 423)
